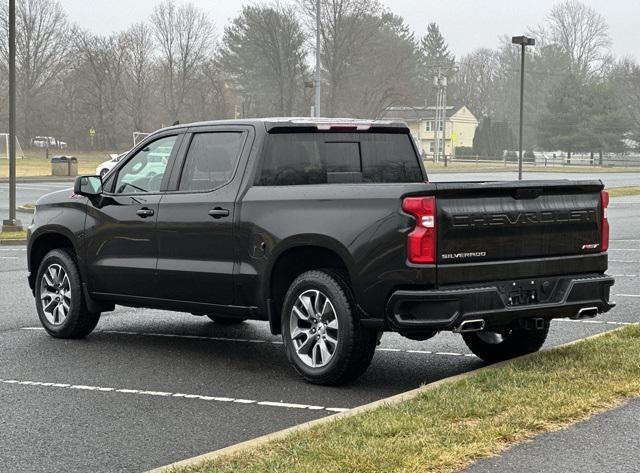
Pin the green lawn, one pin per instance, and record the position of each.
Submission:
(36, 165)
(450, 426)
(13, 235)
(624, 191)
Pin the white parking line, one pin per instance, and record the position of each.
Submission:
(590, 321)
(624, 275)
(626, 295)
(623, 261)
(9, 257)
(141, 392)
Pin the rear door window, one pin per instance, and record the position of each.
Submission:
(211, 160)
(335, 158)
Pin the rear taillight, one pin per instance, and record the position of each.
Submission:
(421, 242)
(604, 197)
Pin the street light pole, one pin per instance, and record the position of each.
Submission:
(318, 75)
(12, 224)
(523, 41)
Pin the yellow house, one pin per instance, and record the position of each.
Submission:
(460, 129)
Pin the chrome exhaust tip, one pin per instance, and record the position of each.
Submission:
(475, 325)
(586, 313)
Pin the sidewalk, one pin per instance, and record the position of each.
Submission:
(606, 442)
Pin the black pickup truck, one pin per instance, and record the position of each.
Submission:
(327, 229)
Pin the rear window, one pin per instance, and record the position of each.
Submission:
(293, 159)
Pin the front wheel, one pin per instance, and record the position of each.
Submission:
(59, 298)
(323, 338)
(504, 345)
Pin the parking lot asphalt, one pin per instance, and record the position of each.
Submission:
(151, 387)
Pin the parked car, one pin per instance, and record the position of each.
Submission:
(48, 142)
(328, 230)
(104, 168)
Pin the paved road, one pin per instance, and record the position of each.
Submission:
(606, 442)
(151, 387)
(26, 193)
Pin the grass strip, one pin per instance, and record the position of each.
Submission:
(624, 191)
(13, 235)
(41, 167)
(449, 427)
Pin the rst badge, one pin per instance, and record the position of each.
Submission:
(590, 246)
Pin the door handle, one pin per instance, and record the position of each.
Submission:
(145, 212)
(218, 212)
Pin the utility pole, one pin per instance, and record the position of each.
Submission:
(318, 65)
(523, 41)
(12, 224)
(444, 119)
(440, 82)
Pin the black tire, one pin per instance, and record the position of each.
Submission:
(515, 342)
(79, 322)
(355, 346)
(223, 320)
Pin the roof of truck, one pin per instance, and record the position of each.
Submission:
(323, 124)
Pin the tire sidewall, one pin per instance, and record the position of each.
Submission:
(63, 259)
(332, 289)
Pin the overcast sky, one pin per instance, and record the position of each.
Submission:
(466, 24)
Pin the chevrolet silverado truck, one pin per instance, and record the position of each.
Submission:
(327, 229)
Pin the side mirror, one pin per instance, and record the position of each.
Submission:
(88, 186)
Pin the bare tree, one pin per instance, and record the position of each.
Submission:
(475, 81)
(345, 32)
(263, 53)
(581, 32)
(139, 44)
(185, 36)
(103, 67)
(42, 41)
(389, 72)
(210, 98)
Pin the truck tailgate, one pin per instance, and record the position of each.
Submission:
(501, 221)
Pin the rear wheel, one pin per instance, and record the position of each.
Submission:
(323, 338)
(59, 297)
(223, 320)
(504, 345)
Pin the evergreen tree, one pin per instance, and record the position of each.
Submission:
(436, 58)
(582, 115)
(492, 139)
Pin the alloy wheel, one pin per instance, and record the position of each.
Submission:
(313, 324)
(55, 294)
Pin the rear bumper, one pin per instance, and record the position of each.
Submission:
(499, 303)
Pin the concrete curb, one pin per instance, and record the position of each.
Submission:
(13, 242)
(389, 401)
(26, 210)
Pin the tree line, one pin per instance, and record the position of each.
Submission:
(177, 65)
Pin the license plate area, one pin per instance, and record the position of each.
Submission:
(529, 292)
